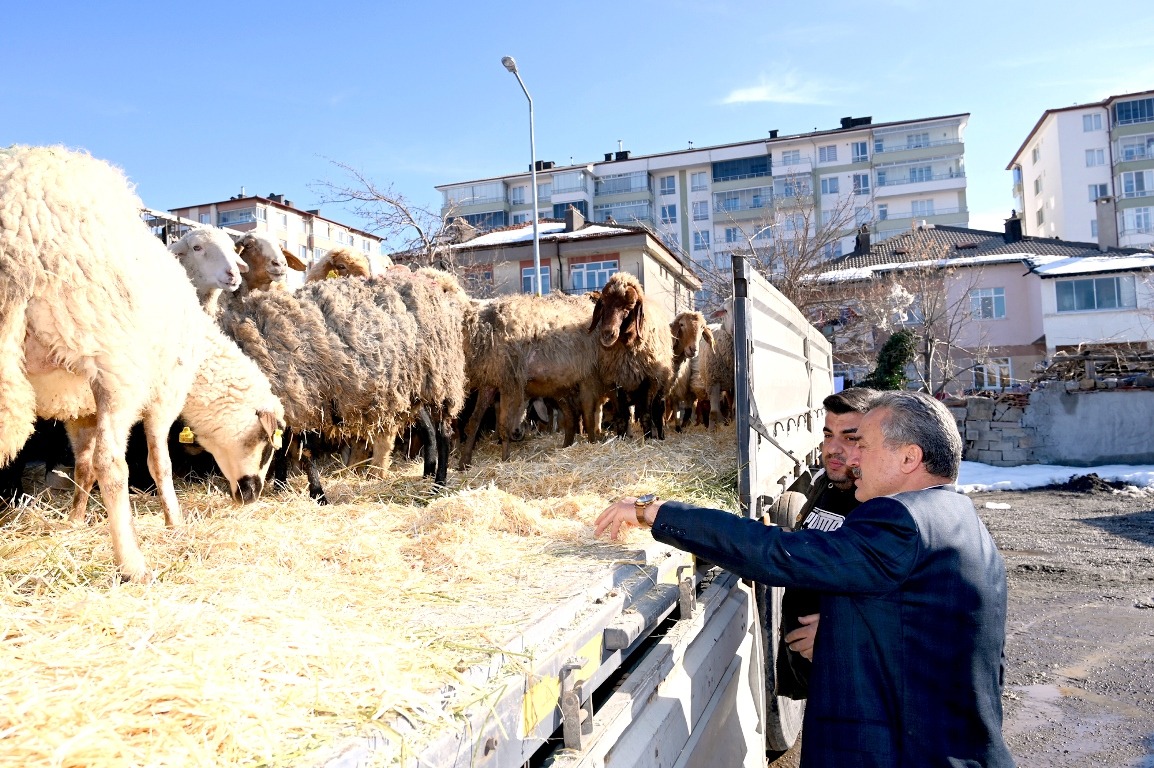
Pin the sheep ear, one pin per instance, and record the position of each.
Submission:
(179, 248)
(268, 422)
(638, 318)
(598, 312)
(293, 262)
(708, 336)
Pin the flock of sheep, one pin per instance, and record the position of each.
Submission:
(101, 327)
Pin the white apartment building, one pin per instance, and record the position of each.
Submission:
(1076, 156)
(703, 202)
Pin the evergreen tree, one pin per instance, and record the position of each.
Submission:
(898, 351)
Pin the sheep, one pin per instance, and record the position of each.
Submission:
(341, 262)
(211, 261)
(355, 360)
(100, 327)
(635, 354)
(267, 263)
(712, 375)
(688, 330)
(527, 346)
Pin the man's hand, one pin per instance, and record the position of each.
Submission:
(620, 515)
(800, 640)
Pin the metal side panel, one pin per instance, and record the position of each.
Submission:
(678, 696)
(524, 683)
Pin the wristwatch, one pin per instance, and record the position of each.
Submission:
(641, 505)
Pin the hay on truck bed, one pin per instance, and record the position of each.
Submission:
(277, 628)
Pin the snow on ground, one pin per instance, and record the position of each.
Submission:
(983, 477)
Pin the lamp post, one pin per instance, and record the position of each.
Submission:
(511, 65)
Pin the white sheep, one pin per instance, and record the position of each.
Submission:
(99, 327)
(210, 259)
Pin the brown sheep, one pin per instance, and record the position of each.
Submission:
(712, 377)
(268, 263)
(635, 354)
(688, 330)
(340, 262)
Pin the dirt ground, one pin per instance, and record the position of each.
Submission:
(1080, 631)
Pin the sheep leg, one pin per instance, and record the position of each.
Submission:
(383, 443)
(160, 467)
(443, 430)
(112, 474)
(715, 404)
(657, 416)
(82, 435)
(431, 446)
(621, 418)
(485, 398)
(309, 467)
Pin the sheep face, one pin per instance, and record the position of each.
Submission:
(267, 262)
(339, 262)
(619, 312)
(208, 256)
(244, 455)
(688, 329)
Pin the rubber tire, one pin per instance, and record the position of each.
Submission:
(785, 510)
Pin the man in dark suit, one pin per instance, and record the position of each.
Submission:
(908, 658)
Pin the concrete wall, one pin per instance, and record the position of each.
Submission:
(993, 433)
(1084, 429)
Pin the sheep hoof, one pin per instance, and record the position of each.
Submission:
(136, 575)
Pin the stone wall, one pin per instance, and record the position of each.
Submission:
(993, 431)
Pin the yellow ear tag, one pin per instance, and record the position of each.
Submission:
(277, 438)
(186, 436)
(332, 273)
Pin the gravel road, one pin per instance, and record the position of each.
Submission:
(1080, 633)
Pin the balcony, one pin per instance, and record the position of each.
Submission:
(893, 148)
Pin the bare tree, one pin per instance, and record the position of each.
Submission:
(783, 232)
(423, 235)
(929, 296)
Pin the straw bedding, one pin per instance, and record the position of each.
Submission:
(277, 627)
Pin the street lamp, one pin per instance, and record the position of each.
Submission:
(511, 65)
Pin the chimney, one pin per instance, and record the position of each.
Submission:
(573, 219)
(1013, 228)
(275, 197)
(608, 157)
(1107, 223)
(773, 134)
(862, 240)
(622, 155)
(242, 190)
(289, 203)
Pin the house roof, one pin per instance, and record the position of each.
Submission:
(959, 246)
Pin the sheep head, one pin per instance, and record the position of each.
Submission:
(268, 263)
(688, 329)
(339, 262)
(620, 311)
(207, 255)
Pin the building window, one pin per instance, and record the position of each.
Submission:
(590, 275)
(1038, 186)
(988, 303)
(921, 173)
(1035, 153)
(1096, 293)
(743, 168)
(1092, 122)
(827, 154)
(1137, 111)
(829, 185)
(240, 216)
(1094, 228)
(1095, 157)
(1040, 216)
(733, 234)
(831, 250)
(668, 185)
(560, 209)
(791, 157)
(921, 208)
(527, 280)
(916, 140)
(1137, 183)
(701, 210)
(669, 214)
(1138, 220)
(303, 253)
(883, 211)
(1137, 147)
(860, 151)
(700, 241)
(522, 218)
(698, 181)
(517, 195)
(206, 218)
(545, 190)
(861, 183)
(283, 219)
(1098, 190)
(318, 254)
(992, 374)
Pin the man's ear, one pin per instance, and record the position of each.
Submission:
(911, 458)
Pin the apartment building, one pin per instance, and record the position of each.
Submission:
(706, 202)
(1087, 167)
(304, 233)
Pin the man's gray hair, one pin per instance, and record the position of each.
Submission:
(918, 419)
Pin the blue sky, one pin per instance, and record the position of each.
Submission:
(195, 101)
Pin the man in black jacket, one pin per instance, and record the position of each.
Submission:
(829, 500)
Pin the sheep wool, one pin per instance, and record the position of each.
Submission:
(100, 327)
